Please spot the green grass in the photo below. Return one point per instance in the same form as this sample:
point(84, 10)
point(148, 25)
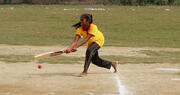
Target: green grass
point(154, 57)
point(51, 25)
point(62, 60)
point(15, 58)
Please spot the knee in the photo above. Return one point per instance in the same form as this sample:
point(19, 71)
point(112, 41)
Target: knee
point(89, 52)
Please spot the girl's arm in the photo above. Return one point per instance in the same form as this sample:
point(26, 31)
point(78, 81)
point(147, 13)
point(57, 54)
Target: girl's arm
point(82, 42)
point(73, 43)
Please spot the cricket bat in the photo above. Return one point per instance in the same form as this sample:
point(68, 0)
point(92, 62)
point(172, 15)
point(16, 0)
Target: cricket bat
point(48, 54)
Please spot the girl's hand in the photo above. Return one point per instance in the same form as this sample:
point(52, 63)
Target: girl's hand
point(68, 50)
point(74, 50)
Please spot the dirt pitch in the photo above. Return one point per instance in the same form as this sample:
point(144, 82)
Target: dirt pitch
point(61, 79)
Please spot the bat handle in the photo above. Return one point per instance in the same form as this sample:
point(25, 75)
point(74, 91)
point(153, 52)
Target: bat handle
point(65, 51)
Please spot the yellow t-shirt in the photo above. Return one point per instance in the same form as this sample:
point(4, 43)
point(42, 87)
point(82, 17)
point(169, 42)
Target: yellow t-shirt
point(97, 36)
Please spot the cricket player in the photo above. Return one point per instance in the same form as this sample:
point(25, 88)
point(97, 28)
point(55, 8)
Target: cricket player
point(94, 39)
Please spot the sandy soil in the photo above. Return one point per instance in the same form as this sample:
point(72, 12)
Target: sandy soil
point(59, 79)
point(123, 51)
point(149, 79)
point(62, 79)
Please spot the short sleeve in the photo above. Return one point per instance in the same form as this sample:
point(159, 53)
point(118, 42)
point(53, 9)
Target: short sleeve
point(92, 30)
point(78, 32)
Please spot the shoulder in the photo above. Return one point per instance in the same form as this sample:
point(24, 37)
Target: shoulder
point(93, 26)
point(79, 29)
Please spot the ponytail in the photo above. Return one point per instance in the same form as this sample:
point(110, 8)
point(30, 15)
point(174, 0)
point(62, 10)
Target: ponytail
point(77, 25)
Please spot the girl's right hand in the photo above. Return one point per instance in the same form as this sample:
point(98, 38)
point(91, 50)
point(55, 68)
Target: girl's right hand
point(68, 50)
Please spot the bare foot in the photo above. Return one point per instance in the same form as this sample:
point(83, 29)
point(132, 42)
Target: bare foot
point(83, 74)
point(114, 65)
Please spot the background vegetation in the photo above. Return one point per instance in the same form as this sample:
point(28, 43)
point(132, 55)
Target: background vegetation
point(104, 2)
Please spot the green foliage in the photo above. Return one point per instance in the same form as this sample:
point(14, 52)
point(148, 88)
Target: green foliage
point(99, 2)
point(176, 2)
point(128, 2)
point(144, 2)
point(161, 2)
point(7, 1)
point(28, 1)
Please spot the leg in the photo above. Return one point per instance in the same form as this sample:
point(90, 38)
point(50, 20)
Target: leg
point(103, 63)
point(90, 52)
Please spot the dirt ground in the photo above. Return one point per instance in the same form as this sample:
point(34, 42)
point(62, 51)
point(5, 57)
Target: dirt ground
point(62, 79)
point(108, 50)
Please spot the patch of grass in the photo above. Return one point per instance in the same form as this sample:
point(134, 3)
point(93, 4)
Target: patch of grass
point(15, 58)
point(51, 60)
point(51, 25)
point(154, 57)
point(62, 60)
point(163, 56)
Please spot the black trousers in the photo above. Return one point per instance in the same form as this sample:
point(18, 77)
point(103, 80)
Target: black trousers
point(92, 56)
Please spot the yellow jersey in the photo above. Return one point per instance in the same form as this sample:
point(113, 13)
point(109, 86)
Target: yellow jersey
point(97, 36)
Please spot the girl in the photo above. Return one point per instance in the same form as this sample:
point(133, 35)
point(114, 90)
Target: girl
point(94, 39)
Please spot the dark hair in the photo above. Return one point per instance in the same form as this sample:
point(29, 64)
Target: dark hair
point(88, 17)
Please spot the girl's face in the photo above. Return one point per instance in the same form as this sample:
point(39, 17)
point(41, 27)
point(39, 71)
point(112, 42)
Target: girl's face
point(84, 22)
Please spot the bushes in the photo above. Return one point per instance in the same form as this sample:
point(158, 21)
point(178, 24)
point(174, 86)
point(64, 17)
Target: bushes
point(176, 2)
point(7, 1)
point(104, 2)
point(161, 2)
point(150, 2)
point(140, 2)
point(28, 1)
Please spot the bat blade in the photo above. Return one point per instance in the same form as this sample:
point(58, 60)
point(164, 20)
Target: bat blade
point(47, 54)
point(43, 55)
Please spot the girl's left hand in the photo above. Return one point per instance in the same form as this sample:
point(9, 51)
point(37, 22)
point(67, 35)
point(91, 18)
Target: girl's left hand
point(74, 50)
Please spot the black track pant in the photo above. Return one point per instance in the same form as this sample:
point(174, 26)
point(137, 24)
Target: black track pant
point(92, 56)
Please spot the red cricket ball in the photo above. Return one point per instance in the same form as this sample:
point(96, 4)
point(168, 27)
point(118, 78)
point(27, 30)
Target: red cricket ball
point(39, 66)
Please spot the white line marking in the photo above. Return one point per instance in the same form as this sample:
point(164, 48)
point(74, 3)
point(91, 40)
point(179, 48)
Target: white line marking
point(121, 88)
point(111, 69)
point(168, 69)
point(175, 79)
